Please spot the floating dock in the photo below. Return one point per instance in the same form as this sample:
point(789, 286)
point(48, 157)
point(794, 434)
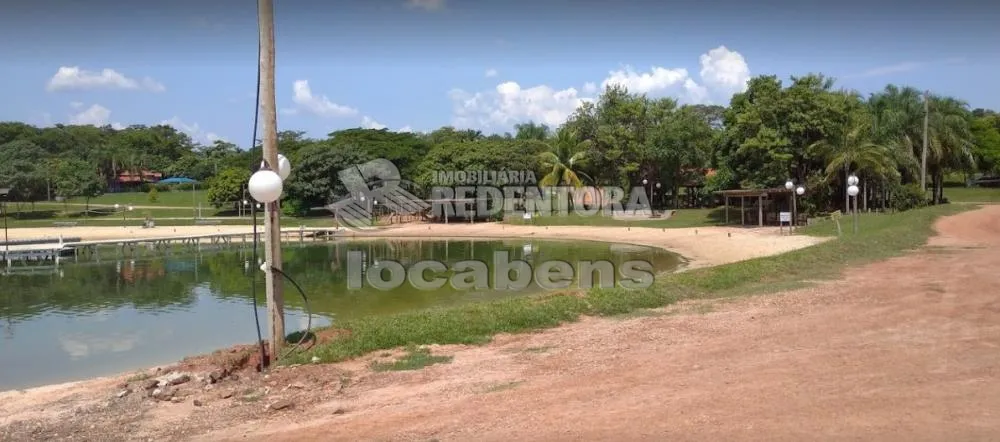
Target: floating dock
point(44, 250)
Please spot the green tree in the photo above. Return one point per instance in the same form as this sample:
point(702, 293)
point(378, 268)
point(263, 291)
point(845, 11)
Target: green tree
point(227, 187)
point(950, 141)
point(566, 157)
point(314, 183)
point(76, 177)
point(22, 170)
point(986, 133)
point(851, 148)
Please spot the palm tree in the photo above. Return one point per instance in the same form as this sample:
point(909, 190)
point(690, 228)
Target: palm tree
point(854, 147)
point(566, 157)
point(950, 141)
point(897, 123)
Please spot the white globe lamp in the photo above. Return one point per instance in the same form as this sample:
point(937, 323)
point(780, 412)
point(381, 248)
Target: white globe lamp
point(789, 184)
point(852, 190)
point(852, 180)
point(644, 182)
point(800, 191)
point(284, 167)
point(265, 186)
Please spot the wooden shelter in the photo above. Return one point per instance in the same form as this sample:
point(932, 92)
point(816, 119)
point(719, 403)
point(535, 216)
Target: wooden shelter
point(758, 197)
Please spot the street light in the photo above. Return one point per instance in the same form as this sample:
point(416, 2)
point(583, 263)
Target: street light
point(852, 191)
point(644, 183)
point(124, 209)
point(6, 240)
point(799, 191)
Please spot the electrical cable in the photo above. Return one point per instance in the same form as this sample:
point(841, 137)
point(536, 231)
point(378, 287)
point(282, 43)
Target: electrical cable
point(305, 301)
point(253, 214)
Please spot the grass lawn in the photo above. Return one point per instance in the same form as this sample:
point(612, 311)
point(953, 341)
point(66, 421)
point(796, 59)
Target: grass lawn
point(972, 194)
point(880, 237)
point(681, 218)
point(177, 198)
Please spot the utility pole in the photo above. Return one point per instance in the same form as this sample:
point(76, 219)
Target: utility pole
point(272, 228)
point(923, 153)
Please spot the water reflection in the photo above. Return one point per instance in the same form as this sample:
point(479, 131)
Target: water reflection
point(107, 315)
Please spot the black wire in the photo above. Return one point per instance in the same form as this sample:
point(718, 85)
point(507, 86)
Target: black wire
point(305, 301)
point(253, 214)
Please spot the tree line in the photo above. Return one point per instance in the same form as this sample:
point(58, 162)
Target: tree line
point(804, 129)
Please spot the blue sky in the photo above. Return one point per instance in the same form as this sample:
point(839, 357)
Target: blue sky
point(421, 64)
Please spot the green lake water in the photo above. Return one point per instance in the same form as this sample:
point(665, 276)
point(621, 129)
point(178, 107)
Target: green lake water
point(97, 317)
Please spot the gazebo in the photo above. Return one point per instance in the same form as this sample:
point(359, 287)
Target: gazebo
point(771, 196)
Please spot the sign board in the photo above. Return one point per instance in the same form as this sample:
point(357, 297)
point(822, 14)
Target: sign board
point(785, 217)
point(527, 215)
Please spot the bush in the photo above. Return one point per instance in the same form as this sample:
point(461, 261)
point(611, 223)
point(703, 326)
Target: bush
point(908, 197)
point(163, 187)
point(153, 194)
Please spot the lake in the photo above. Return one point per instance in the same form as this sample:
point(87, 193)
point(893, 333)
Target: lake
point(112, 314)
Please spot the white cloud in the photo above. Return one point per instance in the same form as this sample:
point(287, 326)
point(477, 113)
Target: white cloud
point(491, 73)
point(723, 72)
point(427, 5)
point(76, 105)
point(193, 130)
point(74, 78)
point(95, 115)
point(405, 129)
point(510, 104)
point(316, 104)
point(369, 123)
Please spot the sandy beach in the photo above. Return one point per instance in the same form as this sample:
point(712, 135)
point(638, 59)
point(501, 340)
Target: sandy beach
point(702, 246)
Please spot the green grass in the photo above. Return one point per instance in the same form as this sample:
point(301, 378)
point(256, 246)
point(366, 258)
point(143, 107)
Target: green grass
point(879, 237)
point(415, 359)
point(681, 218)
point(972, 194)
point(179, 198)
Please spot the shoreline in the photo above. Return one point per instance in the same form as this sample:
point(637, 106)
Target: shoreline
point(700, 246)
point(697, 247)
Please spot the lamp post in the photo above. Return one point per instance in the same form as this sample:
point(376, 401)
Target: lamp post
point(644, 183)
point(266, 186)
point(852, 191)
point(124, 209)
point(799, 191)
point(6, 239)
point(660, 193)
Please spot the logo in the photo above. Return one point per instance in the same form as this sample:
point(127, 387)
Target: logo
point(468, 194)
point(374, 183)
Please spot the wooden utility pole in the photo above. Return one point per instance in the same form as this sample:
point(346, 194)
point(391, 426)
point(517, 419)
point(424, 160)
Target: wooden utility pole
point(272, 227)
point(923, 153)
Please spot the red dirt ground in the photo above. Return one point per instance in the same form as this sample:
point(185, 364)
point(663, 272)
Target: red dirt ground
point(906, 349)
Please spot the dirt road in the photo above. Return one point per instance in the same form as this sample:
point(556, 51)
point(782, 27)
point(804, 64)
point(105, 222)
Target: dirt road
point(906, 349)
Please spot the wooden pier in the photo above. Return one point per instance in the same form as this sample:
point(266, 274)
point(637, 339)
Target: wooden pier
point(35, 251)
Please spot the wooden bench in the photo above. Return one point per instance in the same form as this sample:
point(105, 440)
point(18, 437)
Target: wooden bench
point(65, 223)
point(207, 221)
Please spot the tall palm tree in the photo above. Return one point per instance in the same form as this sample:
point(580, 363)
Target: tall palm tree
point(950, 141)
point(897, 123)
point(854, 148)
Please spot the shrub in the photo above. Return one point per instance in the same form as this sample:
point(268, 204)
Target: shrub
point(153, 194)
point(907, 197)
